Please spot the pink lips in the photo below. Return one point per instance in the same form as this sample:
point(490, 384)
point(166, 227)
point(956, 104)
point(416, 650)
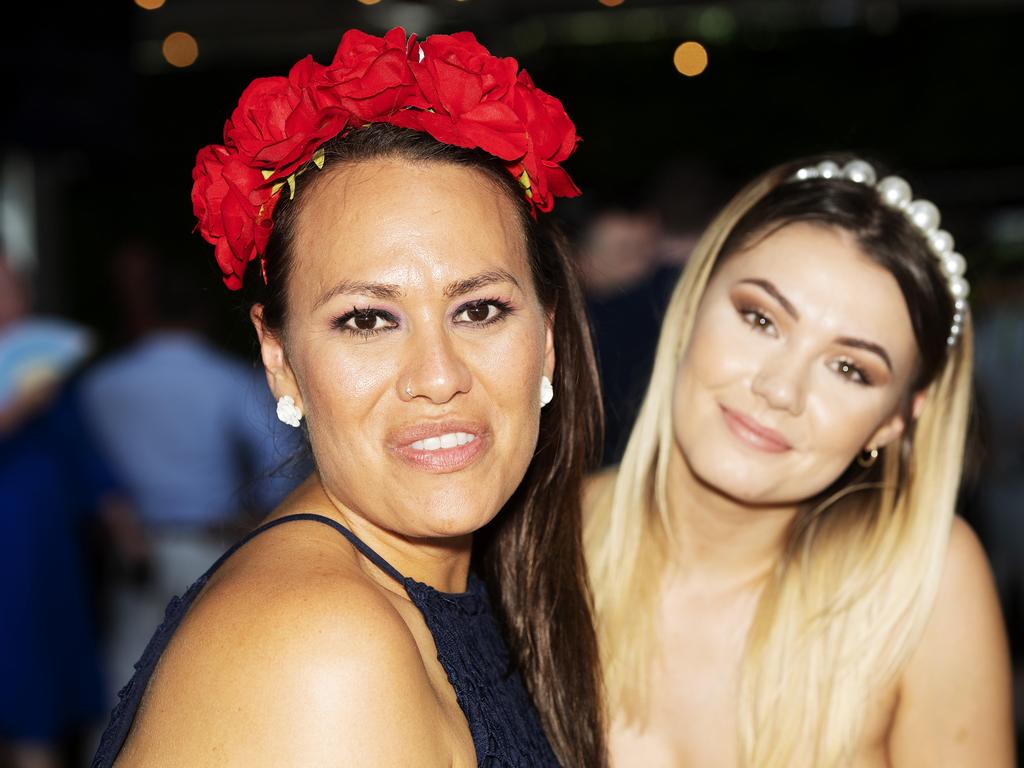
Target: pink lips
point(427, 456)
point(753, 433)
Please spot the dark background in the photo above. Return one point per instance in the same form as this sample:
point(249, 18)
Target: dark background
point(930, 87)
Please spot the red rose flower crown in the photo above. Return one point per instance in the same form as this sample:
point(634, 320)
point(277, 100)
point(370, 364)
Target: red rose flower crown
point(448, 86)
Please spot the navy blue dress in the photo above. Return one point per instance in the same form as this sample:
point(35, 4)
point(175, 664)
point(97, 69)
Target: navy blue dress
point(505, 726)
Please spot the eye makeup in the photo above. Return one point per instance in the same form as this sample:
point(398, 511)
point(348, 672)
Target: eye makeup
point(494, 310)
point(366, 322)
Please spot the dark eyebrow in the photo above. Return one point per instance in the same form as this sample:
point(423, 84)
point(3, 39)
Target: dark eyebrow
point(377, 290)
point(775, 293)
point(866, 345)
point(491, 276)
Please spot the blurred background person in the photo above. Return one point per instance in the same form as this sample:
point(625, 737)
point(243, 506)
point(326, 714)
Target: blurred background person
point(189, 428)
point(630, 254)
point(54, 487)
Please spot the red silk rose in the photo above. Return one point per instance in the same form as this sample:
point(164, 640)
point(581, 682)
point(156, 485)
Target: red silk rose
point(277, 125)
point(552, 138)
point(234, 209)
point(448, 86)
point(369, 76)
point(470, 93)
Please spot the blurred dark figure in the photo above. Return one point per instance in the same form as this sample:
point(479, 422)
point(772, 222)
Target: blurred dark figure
point(191, 430)
point(53, 486)
point(630, 254)
point(999, 360)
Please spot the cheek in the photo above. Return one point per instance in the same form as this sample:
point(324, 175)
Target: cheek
point(722, 349)
point(843, 421)
point(340, 385)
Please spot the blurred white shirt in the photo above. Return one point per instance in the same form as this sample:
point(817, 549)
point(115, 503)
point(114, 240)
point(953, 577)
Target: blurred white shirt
point(191, 432)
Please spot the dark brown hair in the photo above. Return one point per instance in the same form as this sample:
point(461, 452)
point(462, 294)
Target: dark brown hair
point(531, 554)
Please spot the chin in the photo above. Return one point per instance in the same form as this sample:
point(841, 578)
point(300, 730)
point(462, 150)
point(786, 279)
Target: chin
point(451, 515)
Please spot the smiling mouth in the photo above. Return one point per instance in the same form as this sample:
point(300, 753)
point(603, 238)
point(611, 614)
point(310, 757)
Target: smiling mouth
point(447, 440)
point(440, 448)
point(754, 434)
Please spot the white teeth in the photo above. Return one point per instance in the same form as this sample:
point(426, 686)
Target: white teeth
point(448, 440)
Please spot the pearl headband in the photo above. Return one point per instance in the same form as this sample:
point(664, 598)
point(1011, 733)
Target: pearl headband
point(895, 192)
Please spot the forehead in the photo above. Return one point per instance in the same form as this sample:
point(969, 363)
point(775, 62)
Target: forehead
point(831, 282)
point(404, 222)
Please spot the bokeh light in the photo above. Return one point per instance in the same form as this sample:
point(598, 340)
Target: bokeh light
point(611, 3)
point(690, 59)
point(150, 5)
point(369, 2)
point(180, 49)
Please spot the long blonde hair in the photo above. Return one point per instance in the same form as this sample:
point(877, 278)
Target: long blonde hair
point(857, 576)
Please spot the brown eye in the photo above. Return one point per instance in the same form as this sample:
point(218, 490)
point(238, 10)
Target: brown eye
point(478, 312)
point(482, 312)
point(365, 322)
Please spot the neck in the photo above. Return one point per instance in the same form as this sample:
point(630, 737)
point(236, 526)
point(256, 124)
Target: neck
point(719, 537)
point(442, 563)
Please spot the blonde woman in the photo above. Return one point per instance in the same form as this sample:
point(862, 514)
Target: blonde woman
point(779, 577)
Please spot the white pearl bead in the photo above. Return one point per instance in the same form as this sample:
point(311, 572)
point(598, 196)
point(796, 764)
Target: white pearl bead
point(950, 341)
point(959, 287)
point(828, 169)
point(807, 173)
point(894, 191)
point(960, 305)
point(924, 214)
point(941, 241)
point(953, 264)
point(958, 318)
point(859, 171)
point(955, 330)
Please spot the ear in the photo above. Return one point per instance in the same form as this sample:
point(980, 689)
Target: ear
point(917, 404)
point(280, 377)
point(890, 430)
point(549, 345)
point(895, 425)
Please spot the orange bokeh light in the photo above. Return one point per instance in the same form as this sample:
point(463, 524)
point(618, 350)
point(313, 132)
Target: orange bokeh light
point(690, 59)
point(180, 49)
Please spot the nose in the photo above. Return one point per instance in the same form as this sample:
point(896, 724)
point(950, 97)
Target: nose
point(781, 381)
point(434, 368)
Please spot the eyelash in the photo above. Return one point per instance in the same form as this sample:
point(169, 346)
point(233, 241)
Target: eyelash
point(753, 317)
point(341, 323)
point(854, 374)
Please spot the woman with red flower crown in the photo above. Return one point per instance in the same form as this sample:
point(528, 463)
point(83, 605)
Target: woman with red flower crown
point(419, 319)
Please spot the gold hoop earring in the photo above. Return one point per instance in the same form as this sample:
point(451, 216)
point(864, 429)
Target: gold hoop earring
point(868, 458)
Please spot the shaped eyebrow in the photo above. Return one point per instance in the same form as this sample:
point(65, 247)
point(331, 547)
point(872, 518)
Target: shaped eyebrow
point(376, 290)
point(869, 346)
point(848, 341)
point(768, 287)
point(489, 277)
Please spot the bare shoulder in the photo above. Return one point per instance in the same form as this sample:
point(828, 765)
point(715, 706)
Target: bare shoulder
point(955, 694)
point(292, 657)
